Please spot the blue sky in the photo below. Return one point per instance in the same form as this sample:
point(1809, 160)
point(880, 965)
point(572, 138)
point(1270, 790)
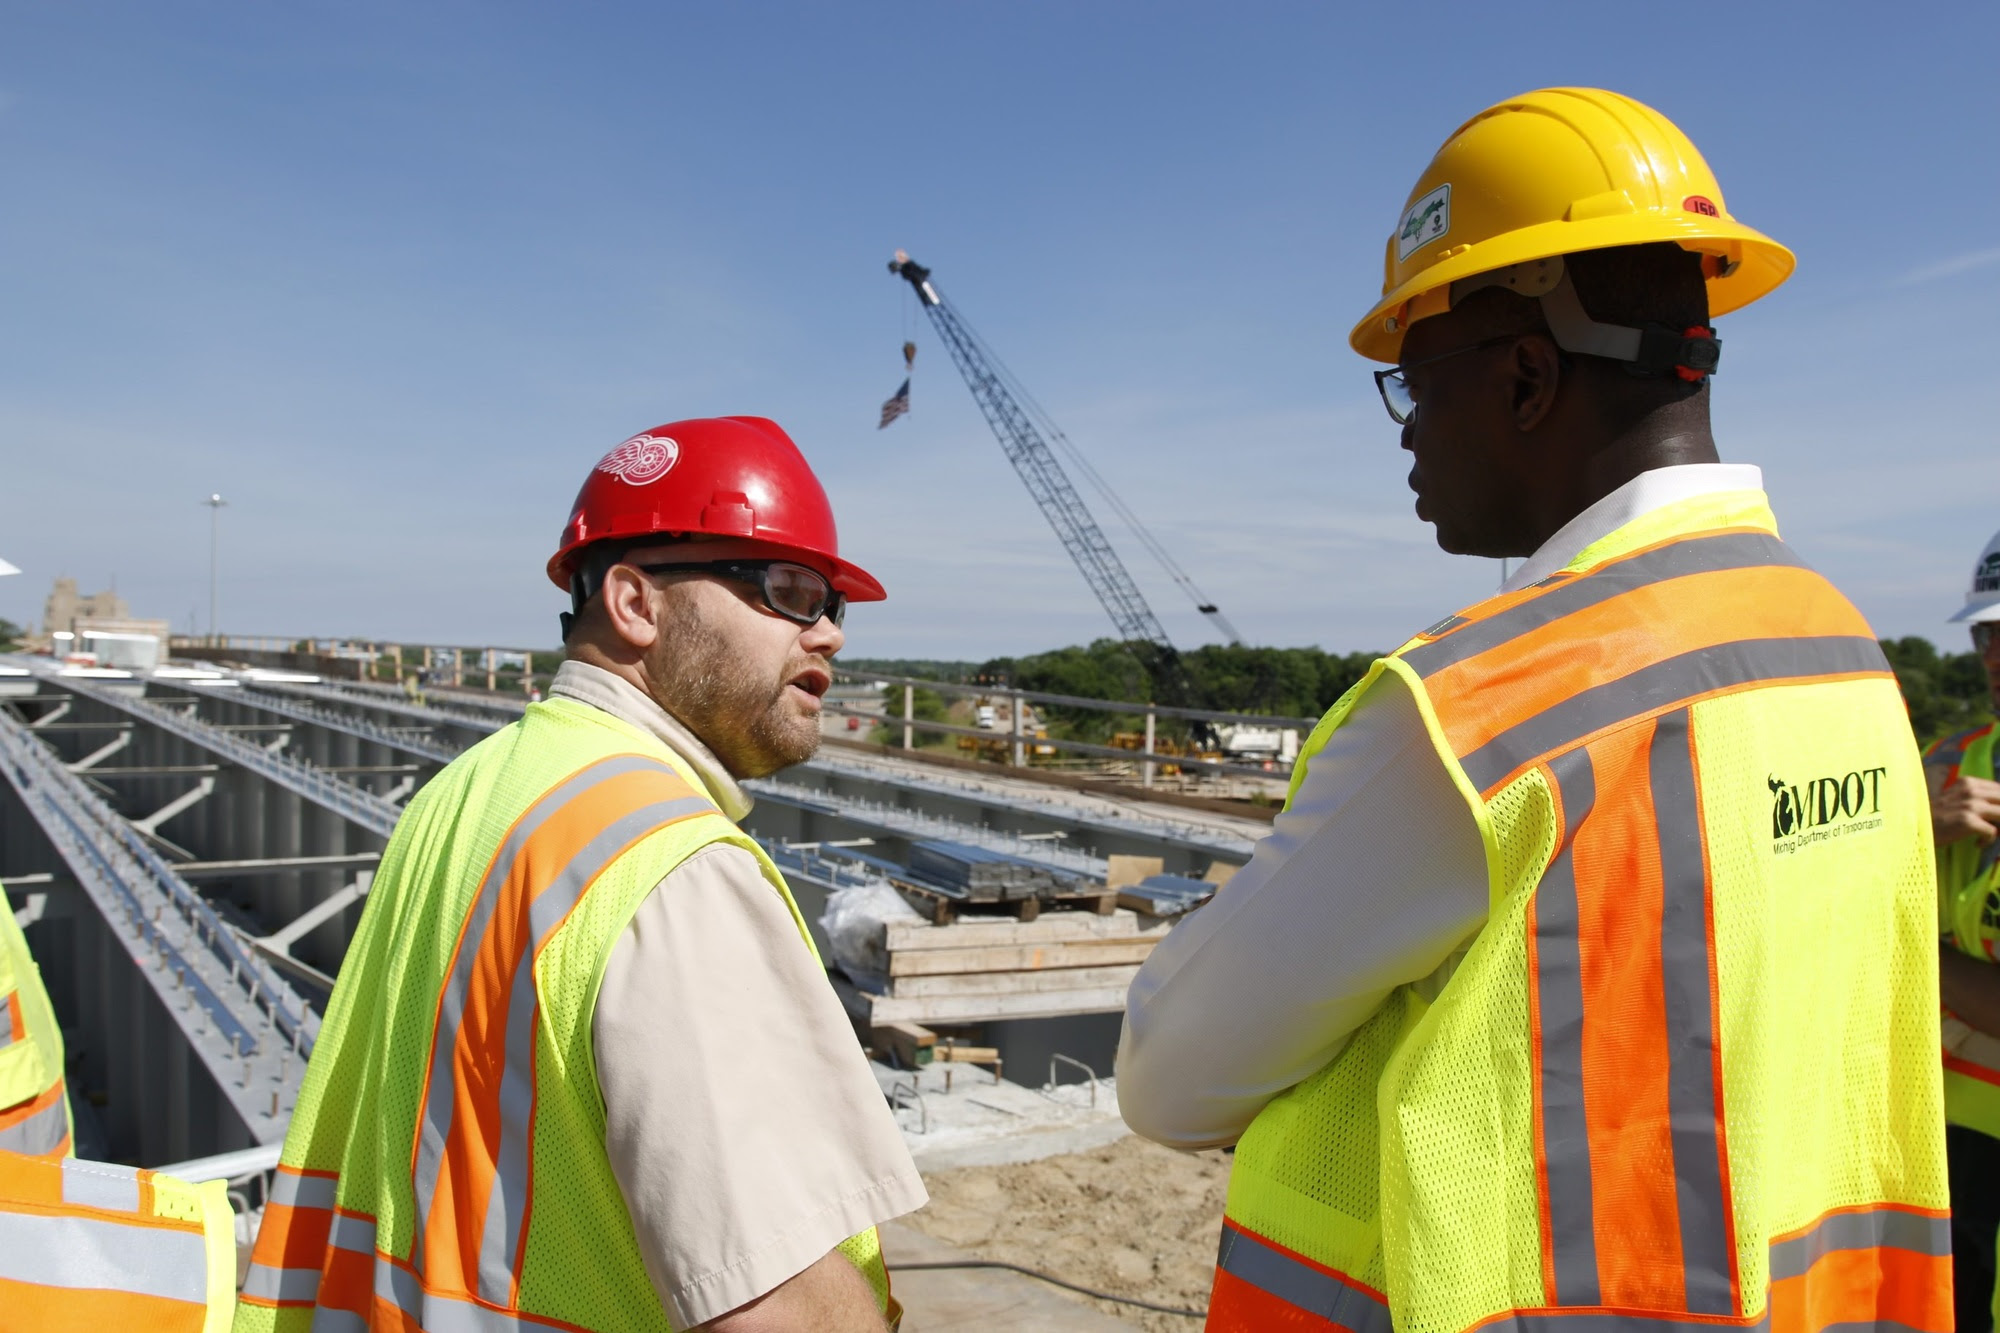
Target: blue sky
point(392, 276)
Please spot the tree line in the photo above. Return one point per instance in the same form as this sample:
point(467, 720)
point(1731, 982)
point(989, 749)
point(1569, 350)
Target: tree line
point(1946, 692)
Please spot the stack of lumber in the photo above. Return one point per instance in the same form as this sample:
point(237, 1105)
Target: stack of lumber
point(981, 969)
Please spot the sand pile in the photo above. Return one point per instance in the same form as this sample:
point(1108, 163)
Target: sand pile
point(1132, 1218)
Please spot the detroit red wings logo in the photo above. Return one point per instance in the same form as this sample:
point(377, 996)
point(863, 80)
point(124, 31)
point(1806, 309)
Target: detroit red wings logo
point(641, 459)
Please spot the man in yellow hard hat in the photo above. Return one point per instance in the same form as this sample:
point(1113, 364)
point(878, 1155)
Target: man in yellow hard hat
point(1965, 820)
point(1588, 980)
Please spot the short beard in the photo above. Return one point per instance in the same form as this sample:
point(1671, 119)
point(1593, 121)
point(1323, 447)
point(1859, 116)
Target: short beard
point(747, 723)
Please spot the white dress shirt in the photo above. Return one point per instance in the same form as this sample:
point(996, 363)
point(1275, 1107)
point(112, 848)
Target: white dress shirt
point(1374, 878)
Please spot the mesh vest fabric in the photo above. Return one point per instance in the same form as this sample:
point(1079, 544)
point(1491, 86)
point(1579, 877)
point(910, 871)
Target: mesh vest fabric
point(34, 1107)
point(1969, 920)
point(1683, 1073)
point(96, 1245)
point(446, 1163)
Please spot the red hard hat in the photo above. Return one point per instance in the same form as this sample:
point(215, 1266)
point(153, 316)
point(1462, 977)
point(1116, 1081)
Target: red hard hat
point(723, 476)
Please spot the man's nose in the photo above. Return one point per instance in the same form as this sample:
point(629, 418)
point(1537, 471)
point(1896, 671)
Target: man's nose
point(822, 638)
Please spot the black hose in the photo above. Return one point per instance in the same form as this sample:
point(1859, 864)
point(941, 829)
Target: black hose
point(1053, 1281)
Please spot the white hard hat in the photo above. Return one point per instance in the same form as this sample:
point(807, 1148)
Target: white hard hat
point(1982, 601)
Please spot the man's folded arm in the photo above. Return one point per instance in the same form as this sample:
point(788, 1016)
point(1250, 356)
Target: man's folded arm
point(1373, 878)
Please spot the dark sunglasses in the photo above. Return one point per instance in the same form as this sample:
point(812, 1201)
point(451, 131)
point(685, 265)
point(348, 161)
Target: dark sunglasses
point(1395, 389)
point(796, 592)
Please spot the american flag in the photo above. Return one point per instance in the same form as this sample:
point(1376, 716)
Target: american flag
point(896, 405)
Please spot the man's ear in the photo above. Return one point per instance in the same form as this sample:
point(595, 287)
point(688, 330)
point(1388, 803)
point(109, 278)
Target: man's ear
point(1537, 371)
point(629, 607)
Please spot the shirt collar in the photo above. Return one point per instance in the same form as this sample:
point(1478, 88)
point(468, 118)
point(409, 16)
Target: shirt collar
point(613, 694)
point(1638, 497)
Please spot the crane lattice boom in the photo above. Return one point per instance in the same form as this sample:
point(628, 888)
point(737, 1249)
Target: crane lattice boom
point(1029, 452)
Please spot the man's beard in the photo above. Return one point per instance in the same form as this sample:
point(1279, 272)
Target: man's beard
point(748, 723)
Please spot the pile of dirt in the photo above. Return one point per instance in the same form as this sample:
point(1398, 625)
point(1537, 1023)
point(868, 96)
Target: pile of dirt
point(1132, 1218)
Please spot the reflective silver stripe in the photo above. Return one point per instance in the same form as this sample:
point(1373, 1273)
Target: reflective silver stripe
point(1583, 1321)
point(100, 1185)
point(448, 1314)
point(434, 1119)
point(293, 1190)
point(351, 1233)
point(1887, 1228)
point(1952, 748)
point(1559, 993)
point(1696, 555)
point(1677, 680)
point(10, 1008)
point(1708, 1241)
point(80, 1253)
point(41, 1133)
point(506, 1206)
point(291, 1286)
point(338, 1321)
point(1272, 1271)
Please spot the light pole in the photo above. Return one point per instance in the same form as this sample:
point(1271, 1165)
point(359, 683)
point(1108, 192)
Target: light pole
point(214, 503)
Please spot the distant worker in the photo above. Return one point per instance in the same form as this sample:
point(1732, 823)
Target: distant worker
point(1591, 967)
point(1965, 818)
point(583, 1068)
point(97, 1246)
point(34, 1105)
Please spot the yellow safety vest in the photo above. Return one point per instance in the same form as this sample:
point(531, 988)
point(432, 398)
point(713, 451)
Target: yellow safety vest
point(34, 1110)
point(1684, 1074)
point(446, 1163)
point(91, 1245)
point(1969, 920)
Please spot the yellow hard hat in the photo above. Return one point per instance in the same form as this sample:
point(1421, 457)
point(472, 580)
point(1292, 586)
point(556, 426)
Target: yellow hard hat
point(1550, 173)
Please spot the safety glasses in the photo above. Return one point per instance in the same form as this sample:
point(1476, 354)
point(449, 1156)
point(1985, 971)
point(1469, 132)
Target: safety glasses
point(796, 592)
point(1395, 388)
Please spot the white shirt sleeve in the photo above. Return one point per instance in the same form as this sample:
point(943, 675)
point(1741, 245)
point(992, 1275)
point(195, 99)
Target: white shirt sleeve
point(744, 1128)
point(1372, 879)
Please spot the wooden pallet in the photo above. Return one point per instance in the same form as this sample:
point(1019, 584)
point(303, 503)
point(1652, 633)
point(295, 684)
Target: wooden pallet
point(941, 908)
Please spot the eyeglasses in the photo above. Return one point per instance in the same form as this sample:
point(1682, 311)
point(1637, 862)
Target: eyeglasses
point(796, 592)
point(1395, 389)
point(1983, 634)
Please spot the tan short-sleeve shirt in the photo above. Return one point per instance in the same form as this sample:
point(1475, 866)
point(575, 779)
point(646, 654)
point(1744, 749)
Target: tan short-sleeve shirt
point(743, 1125)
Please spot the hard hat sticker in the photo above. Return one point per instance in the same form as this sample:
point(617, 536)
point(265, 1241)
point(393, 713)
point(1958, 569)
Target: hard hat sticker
point(641, 459)
point(1987, 577)
point(1428, 219)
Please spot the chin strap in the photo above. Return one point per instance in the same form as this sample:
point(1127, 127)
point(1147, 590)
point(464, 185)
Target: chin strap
point(1652, 351)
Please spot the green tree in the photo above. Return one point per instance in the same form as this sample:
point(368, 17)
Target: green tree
point(10, 635)
point(1946, 692)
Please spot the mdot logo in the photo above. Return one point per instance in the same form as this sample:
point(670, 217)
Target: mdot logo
point(1426, 220)
point(1825, 808)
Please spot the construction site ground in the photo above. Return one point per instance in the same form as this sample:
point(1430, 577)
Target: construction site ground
point(1129, 1217)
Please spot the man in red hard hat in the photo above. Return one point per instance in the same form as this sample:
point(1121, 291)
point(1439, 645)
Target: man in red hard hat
point(583, 1069)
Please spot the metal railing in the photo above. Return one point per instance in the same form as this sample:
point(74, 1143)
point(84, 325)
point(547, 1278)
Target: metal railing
point(389, 699)
point(171, 933)
point(304, 711)
point(364, 809)
point(1078, 701)
point(1148, 756)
